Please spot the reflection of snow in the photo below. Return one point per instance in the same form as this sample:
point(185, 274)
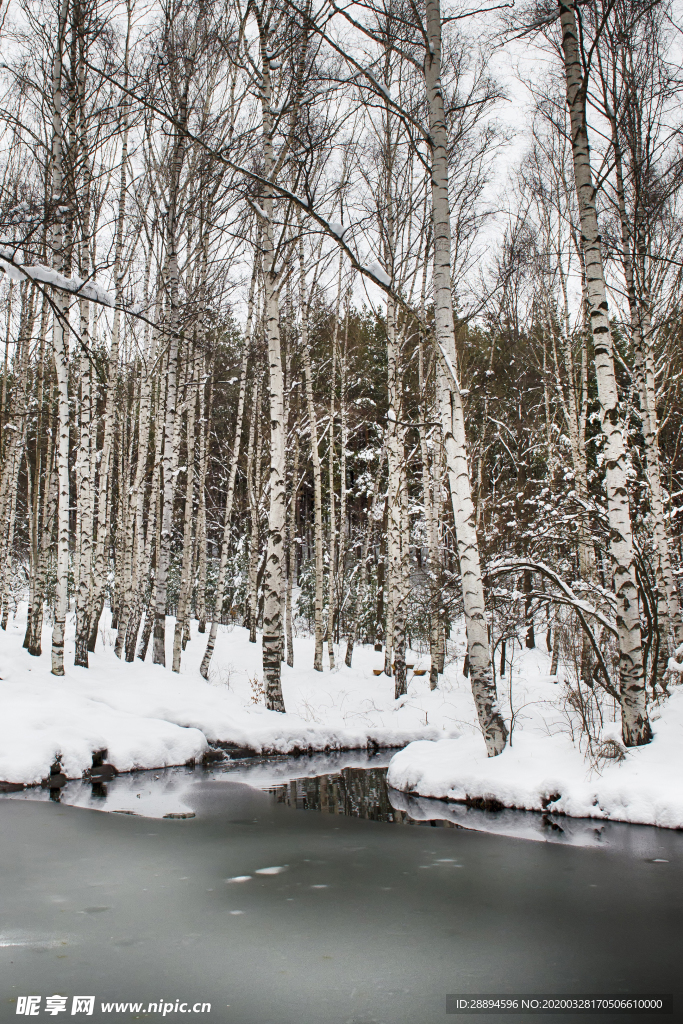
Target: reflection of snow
point(642, 842)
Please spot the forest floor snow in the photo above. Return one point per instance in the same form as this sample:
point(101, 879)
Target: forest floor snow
point(547, 766)
point(146, 716)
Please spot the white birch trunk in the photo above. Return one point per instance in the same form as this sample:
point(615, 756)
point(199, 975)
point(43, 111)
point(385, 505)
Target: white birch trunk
point(315, 459)
point(272, 584)
point(170, 426)
point(452, 415)
point(635, 725)
point(188, 544)
point(360, 594)
point(641, 334)
point(254, 455)
point(60, 357)
point(333, 522)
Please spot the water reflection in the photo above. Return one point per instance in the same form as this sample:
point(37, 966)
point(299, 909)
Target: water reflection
point(363, 793)
point(349, 783)
point(358, 792)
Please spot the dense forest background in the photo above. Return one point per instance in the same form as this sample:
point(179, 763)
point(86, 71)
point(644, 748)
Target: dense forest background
point(288, 338)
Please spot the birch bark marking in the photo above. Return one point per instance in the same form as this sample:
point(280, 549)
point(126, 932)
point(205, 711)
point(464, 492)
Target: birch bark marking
point(186, 570)
point(272, 584)
point(344, 440)
point(291, 539)
point(133, 607)
point(85, 443)
point(254, 451)
point(394, 655)
point(635, 724)
point(205, 413)
point(452, 415)
point(41, 471)
point(168, 485)
point(331, 579)
point(432, 546)
point(103, 504)
point(60, 356)
point(641, 330)
point(362, 584)
point(315, 457)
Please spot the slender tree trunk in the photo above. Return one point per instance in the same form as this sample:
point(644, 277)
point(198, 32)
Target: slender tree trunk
point(291, 541)
point(101, 546)
point(171, 426)
point(315, 459)
point(641, 332)
point(205, 410)
point(188, 546)
point(254, 487)
point(381, 581)
point(272, 608)
point(400, 673)
point(60, 356)
point(360, 594)
point(272, 603)
point(333, 521)
point(430, 526)
point(452, 414)
point(635, 725)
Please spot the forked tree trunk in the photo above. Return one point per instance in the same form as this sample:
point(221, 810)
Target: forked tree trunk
point(130, 622)
point(632, 691)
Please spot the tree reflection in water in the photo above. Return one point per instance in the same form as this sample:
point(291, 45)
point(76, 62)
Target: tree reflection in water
point(358, 792)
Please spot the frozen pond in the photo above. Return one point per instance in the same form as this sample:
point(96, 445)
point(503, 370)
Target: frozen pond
point(358, 920)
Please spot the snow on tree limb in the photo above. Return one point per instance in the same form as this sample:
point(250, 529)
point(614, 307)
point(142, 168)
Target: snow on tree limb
point(45, 275)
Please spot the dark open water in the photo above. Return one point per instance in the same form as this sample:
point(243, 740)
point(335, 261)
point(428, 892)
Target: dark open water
point(365, 922)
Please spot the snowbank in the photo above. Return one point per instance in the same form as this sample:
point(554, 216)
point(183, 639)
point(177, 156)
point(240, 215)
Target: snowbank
point(148, 717)
point(547, 772)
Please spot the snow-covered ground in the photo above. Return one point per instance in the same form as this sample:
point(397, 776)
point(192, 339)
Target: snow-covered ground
point(546, 768)
point(148, 717)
